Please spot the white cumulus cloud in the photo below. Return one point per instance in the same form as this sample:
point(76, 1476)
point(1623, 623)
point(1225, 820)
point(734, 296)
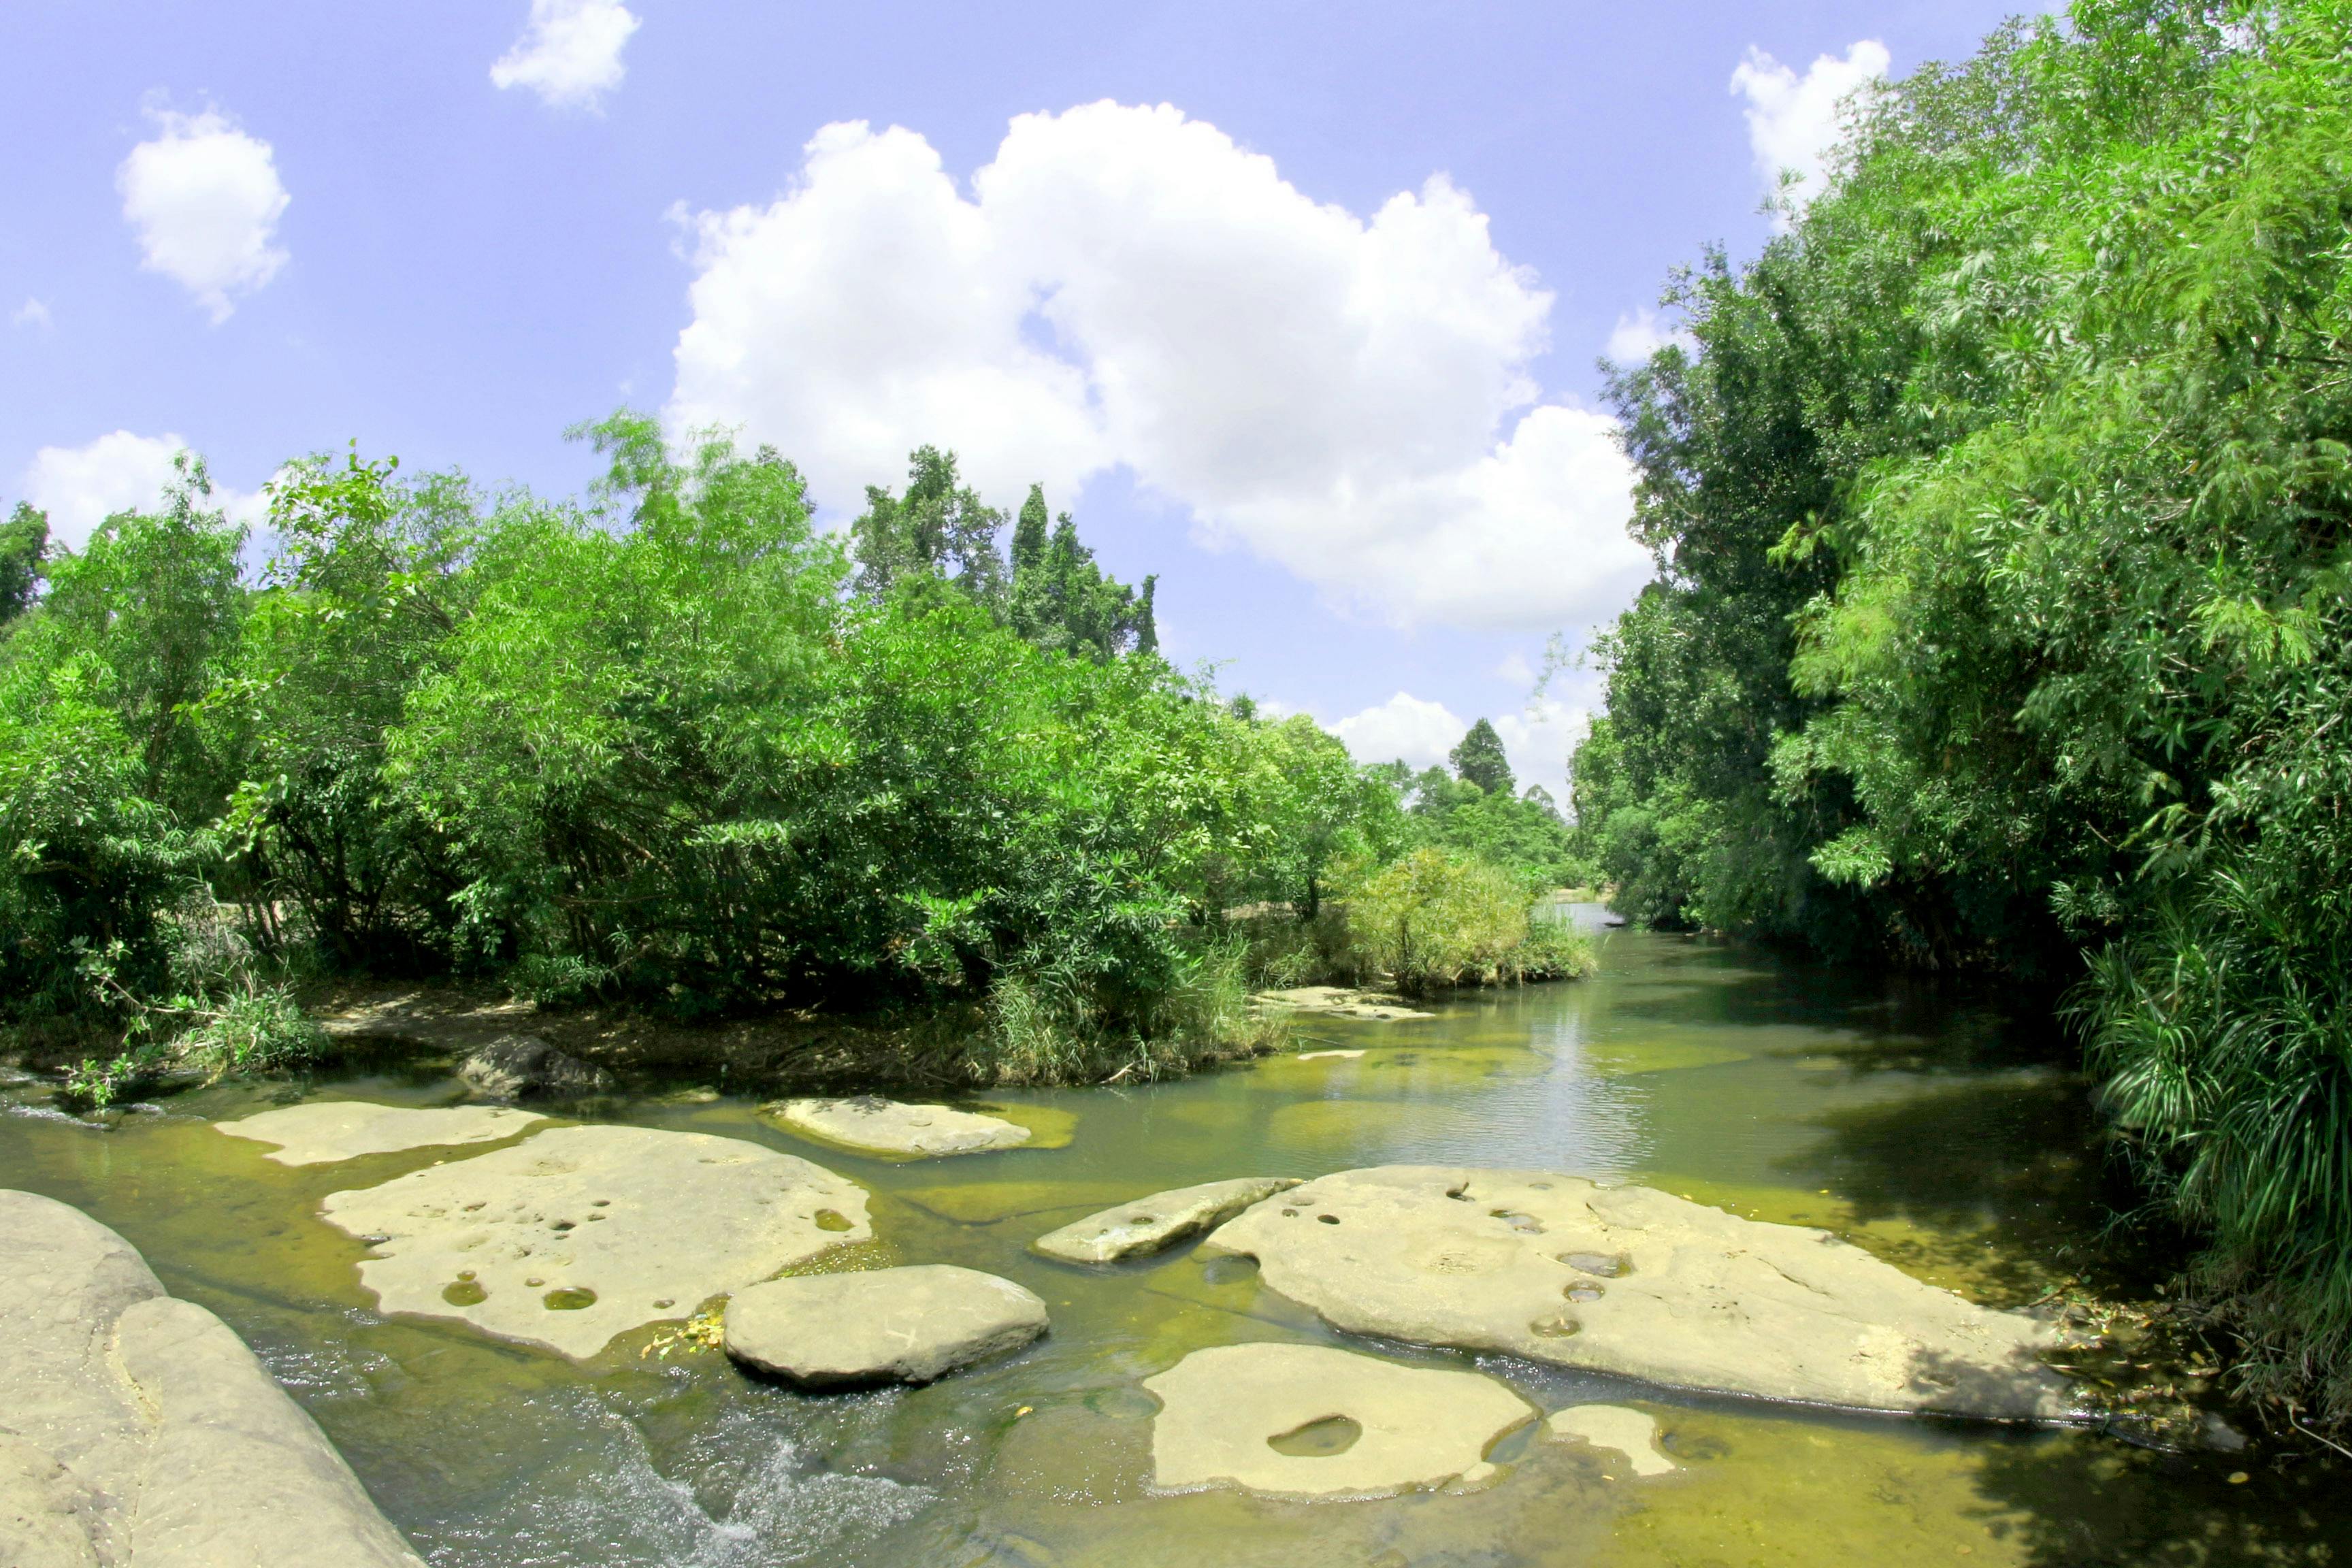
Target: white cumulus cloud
point(570, 54)
point(81, 486)
point(1347, 397)
point(205, 199)
point(1641, 333)
point(31, 313)
point(1794, 120)
point(1407, 728)
point(1421, 733)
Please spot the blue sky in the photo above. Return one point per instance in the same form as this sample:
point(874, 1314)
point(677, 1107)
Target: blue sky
point(1297, 305)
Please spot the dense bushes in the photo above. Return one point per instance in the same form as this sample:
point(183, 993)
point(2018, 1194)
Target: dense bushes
point(671, 748)
point(2002, 614)
point(1434, 918)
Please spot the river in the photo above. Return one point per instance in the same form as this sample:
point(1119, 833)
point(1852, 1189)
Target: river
point(1920, 1123)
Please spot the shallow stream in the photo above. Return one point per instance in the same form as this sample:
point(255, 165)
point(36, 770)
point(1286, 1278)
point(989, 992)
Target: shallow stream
point(1920, 1124)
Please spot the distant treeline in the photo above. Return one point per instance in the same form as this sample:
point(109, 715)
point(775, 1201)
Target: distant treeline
point(2004, 610)
point(671, 747)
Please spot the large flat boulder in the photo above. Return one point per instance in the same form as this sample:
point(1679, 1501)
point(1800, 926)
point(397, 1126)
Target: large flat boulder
point(137, 1431)
point(872, 1125)
point(582, 1233)
point(1156, 1223)
point(326, 1131)
point(1629, 1280)
point(1311, 1421)
point(887, 1325)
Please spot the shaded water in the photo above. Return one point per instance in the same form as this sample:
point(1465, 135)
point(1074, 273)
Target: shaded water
point(1923, 1127)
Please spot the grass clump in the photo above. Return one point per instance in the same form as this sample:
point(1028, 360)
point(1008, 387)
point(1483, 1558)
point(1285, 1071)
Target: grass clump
point(1435, 918)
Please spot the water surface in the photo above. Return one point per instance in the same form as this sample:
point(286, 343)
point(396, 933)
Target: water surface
point(1919, 1123)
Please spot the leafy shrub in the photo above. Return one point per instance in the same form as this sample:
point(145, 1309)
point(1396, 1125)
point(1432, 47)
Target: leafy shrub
point(1435, 918)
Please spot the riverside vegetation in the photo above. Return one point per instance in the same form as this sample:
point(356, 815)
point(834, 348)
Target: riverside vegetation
point(673, 749)
point(2004, 610)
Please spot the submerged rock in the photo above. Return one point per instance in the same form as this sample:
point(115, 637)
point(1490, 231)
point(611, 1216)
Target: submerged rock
point(1339, 1002)
point(904, 1325)
point(1153, 1224)
point(1642, 1284)
point(1616, 1428)
point(138, 1429)
point(873, 1125)
point(582, 1233)
point(330, 1130)
point(1311, 1421)
point(513, 1067)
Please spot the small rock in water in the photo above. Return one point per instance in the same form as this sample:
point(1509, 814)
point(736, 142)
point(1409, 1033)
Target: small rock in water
point(515, 1066)
point(1156, 1223)
point(902, 1325)
point(1617, 1428)
point(1311, 1421)
point(1339, 1002)
point(326, 1131)
point(873, 1125)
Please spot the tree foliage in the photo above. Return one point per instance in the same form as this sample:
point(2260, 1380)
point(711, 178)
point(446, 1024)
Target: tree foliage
point(669, 746)
point(2002, 615)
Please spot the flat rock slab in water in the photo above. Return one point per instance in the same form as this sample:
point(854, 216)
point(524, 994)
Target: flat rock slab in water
point(1616, 1428)
point(583, 1232)
point(1311, 1421)
point(1339, 1002)
point(1642, 1284)
point(138, 1429)
point(874, 1126)
point(903, 1325)
point(1156, 1223)
point(330, 1130)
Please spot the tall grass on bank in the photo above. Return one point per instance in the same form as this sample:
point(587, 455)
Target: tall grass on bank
point(2225, 1037)
point(230, 1010)
point(1042, 1030)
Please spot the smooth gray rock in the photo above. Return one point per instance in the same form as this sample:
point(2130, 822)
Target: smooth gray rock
point(327, 1131)
point(1641, 1284)
point(137, 1431)
point(1222, 1411)
point(1156, 1223)
point(872, 1125)
point(903, 1325)
point(514, 1066)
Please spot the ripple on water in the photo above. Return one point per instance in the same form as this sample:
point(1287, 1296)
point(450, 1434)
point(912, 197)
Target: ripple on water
point(746, 1495)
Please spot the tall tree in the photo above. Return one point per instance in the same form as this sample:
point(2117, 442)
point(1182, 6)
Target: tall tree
point(1479, 760)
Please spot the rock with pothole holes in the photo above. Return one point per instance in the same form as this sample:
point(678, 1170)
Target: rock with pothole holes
point(872, 1125)
point(582, 1233)
point(1311, 1421)
point(886, 1325)
point(326, 1131)
point(1638, 1282)
point(1157, 1223)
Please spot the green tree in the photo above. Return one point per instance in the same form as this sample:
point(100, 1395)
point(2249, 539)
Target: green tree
point(24, 545)
point(1478, 759)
